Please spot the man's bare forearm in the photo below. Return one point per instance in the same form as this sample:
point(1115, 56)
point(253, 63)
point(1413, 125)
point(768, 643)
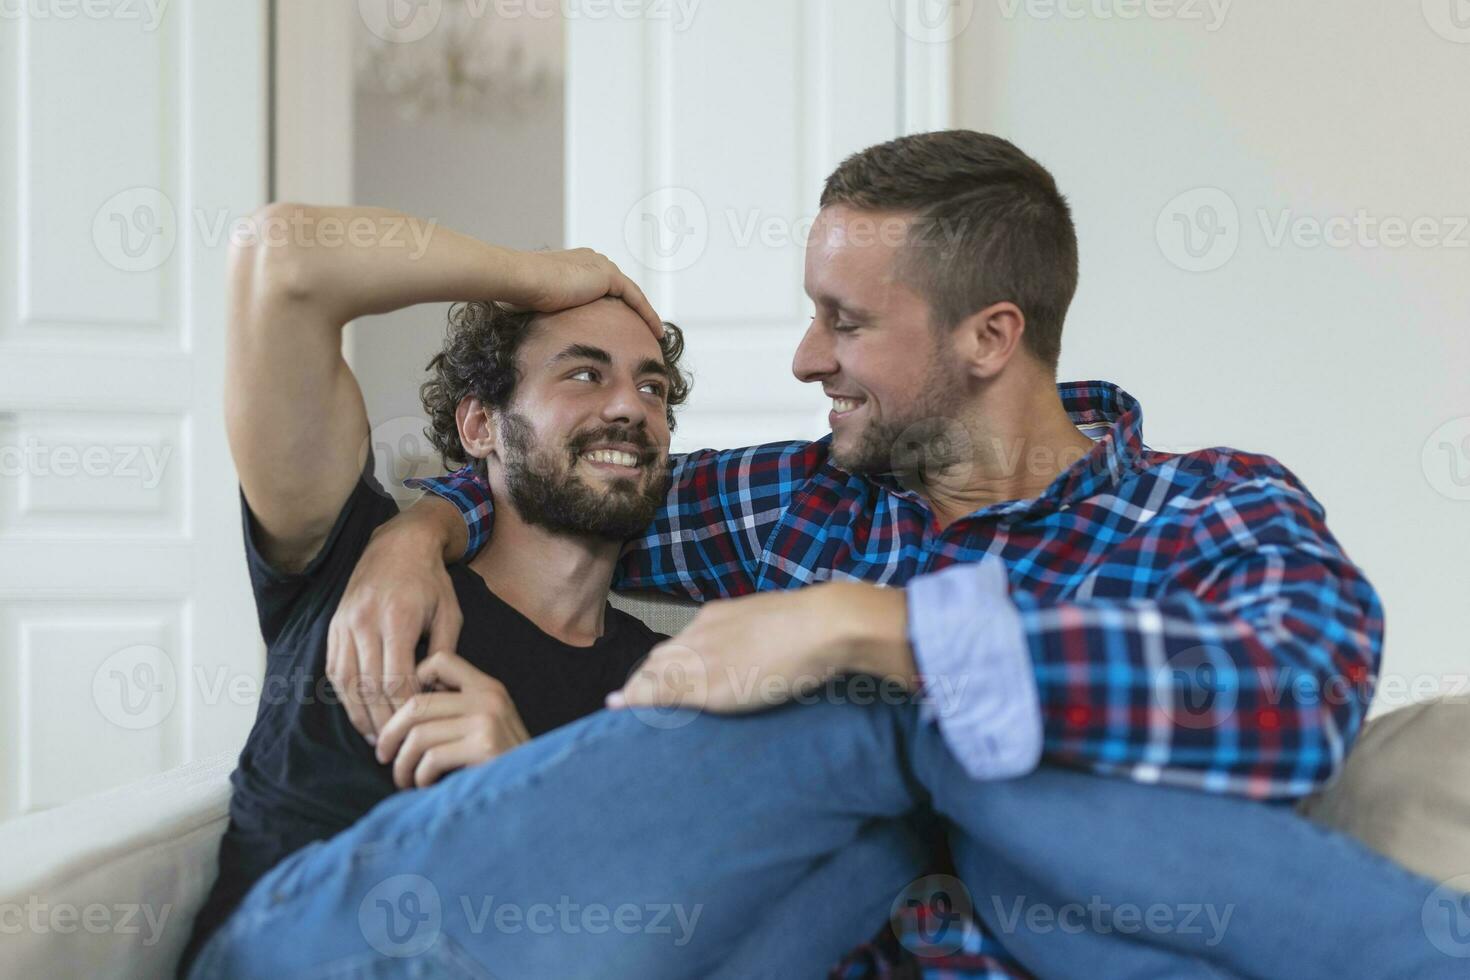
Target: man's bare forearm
point(431, 526)
point(360, 261)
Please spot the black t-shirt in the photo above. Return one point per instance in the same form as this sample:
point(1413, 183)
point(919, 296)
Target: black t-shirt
point(305, 773)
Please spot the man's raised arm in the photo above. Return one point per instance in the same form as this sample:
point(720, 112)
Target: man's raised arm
point(295, 416)
point(294, 413)
point(298, 274)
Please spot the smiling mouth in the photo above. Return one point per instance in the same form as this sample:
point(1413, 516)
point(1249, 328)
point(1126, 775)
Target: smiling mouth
point(845, 406)
point(612, 457)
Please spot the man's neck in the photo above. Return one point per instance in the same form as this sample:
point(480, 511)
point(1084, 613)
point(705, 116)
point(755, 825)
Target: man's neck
point(556, 581)
point(1020, 445)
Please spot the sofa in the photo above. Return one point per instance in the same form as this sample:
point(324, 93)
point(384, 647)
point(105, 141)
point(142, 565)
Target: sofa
point(108, 886)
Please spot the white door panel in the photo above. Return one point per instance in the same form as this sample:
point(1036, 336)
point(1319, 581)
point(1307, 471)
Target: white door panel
point(125, 613)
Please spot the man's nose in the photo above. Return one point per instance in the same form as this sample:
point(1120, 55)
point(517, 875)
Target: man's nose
point(814, 359)
point(624, 404)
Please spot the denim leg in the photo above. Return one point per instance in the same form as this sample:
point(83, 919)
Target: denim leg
point(1050, 934)
point(1266, 892)
point(845, 901)
point(607, 848)
point(616, 848)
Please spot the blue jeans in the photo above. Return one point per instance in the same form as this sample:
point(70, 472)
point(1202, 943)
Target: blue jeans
point(616, 848)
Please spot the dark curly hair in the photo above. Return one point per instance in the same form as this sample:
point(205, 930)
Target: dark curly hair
point(479, 359)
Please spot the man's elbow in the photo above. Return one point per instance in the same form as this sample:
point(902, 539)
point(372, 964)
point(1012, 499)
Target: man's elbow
point(1329, 727)
point(267, 265)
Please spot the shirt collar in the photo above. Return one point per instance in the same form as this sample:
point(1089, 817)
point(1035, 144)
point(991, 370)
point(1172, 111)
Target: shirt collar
point(1114, 456)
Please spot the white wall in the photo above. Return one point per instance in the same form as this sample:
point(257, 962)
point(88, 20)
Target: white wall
point(313, 116)
point(1341, 362)
point(498, 179)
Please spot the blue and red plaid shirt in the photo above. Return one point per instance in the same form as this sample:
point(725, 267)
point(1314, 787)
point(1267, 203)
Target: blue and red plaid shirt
point(1190, 619)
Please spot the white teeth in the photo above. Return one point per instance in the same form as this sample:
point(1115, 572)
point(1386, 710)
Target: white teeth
point(841, 405)
point(611, 456)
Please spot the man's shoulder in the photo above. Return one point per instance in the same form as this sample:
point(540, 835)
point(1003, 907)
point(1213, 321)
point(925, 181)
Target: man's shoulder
point(773, 467)
point(281, 594)
point(1202, 477)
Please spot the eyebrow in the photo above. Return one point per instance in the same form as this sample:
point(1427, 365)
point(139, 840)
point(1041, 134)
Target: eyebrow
point(586, 352)
point(582, 352)
point(650, 366)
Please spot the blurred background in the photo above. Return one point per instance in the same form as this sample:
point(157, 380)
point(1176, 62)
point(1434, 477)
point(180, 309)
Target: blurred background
point(1272, 201)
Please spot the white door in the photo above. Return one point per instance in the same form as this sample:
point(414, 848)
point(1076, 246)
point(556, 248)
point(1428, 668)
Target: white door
point(131, 134)
point(698, 138)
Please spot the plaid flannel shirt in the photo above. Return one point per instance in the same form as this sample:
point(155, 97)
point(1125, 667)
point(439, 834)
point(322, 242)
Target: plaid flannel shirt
point(1190, 619)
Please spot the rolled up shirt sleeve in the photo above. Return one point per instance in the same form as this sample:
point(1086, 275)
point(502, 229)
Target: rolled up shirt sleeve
point(978, 681)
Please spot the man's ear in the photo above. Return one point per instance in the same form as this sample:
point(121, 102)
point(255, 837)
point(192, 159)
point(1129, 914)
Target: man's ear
point(986, 340)
point(476, 425)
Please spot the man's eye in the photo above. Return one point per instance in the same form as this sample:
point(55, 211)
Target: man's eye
point(844, 327)
point(658, 389)
point(581, 371)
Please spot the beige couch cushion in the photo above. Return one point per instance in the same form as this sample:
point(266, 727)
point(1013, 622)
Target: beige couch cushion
point(662, 613)
point(108, 886)
point(1405, 791)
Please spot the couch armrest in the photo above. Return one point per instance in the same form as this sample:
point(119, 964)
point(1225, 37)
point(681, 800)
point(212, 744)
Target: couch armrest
point(108, 886)
point(1405, 790)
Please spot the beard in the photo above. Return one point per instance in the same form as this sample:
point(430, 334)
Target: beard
point(547, 491)
point(921, 444)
